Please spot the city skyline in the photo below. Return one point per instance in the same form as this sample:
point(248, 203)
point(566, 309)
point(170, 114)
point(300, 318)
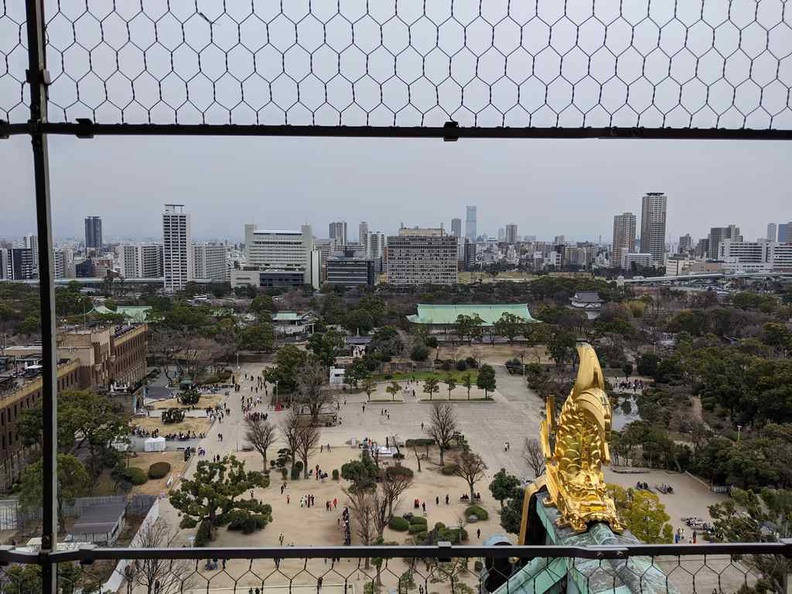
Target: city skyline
point(405, 177)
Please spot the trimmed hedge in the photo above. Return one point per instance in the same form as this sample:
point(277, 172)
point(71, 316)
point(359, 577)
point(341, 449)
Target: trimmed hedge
point(476, 510)
point(159, 470)
point(419, 520)
point(399, 524)
point(336, 476)
point(246, 522)
point(131, 475)
point(416, 528)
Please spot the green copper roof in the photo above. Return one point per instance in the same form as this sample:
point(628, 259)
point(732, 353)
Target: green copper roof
point(447, 314)
point(134, 313)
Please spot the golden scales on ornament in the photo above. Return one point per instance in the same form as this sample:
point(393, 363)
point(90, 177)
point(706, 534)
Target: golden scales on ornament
point(575, 446)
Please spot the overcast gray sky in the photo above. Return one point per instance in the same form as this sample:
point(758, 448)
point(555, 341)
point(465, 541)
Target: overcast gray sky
point(640, 63)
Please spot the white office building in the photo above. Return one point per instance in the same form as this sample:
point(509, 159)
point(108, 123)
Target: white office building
point(283, 250)
point(177, 253)
point(422, 256)
point(210, 262)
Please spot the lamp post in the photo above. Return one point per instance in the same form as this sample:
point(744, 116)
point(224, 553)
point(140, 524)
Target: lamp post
point(739, 428)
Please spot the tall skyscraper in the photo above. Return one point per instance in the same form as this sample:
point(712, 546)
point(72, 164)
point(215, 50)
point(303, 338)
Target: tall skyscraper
point(363, 235)
point(338, 232)
point(511, 233)
point(772, 232)
point(653, 225)
point(623, 233)
point(685, 244)
point(456, 227)
point(93, 233)
point(30, 242)
point(717, 235)
point(470, 223)
point(177, 253)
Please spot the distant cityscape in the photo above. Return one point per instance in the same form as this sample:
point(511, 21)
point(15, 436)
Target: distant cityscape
point(288, 258)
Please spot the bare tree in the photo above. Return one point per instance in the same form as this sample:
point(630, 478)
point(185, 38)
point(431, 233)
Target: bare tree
point(396, 481)
point(534, 455)
point(364, 514)
point(307, 437)
point(289, 428)
point(157, 575)
point(470, 467)
point(442, 426)
point(311, 388)
point(260, 433)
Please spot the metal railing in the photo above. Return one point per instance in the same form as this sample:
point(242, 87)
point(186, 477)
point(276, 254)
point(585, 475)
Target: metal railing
point(703, 568)
point(448, 69)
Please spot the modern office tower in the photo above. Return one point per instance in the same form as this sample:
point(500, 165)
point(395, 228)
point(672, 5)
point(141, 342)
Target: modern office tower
point(376, 245)
point(22, 265)
point(422, 256)
point(350, 272)
point(470, 223)
point(363, 233)
point(456, 227)
point(559, 240)
point(772, 232)
point(30, 242)
point(717, 235)
point(338, 232)
point(511, 233)
point(653, 225)
point(785, 232)
point(624, 232)
point(210, 262)
point(93, 233)
point(501, 233)
point(177, 253)
point(685, 244)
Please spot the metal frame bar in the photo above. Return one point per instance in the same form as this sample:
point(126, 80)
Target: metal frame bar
point(38, 78)
point(451, 131)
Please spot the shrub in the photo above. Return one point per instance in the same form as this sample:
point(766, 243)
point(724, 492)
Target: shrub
point(447, 365)
point(335, 474)
point(399, 524)
point(131, 475)
point(461, 365)
point(295, 473)
point(204, 534)
point(476, 510)
point(398, 456)
point(159, 470)
point(449, 469)
point(471, 362)
point(172, 415)
point(419, 353)
point(246, 522)
point(420, 537)
point(188, 522)
point(299, 465)
point(416, 528)
point(431, 342)
point(419, 520)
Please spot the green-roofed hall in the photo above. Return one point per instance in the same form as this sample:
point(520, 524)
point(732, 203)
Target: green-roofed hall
point(446, 315)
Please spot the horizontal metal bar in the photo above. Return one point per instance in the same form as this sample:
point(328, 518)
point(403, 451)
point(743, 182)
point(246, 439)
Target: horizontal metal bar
point(93, 129)
point(361, 552)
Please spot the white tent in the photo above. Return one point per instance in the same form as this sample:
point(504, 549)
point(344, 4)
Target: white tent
point(154, 444)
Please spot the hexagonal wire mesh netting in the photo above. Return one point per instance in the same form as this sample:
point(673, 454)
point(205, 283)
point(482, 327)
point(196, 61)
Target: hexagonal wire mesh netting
point(308, 575)
point(544, 63)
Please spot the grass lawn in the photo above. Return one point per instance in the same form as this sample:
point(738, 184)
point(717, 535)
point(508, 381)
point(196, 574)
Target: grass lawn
point(422, 376)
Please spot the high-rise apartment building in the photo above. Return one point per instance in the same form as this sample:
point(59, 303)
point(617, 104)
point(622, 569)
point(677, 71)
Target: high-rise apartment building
point(363, 233)
point(338, 232)
point(59, 264)
point(5, 264)
point(653, 225)
point(22, 265)
point(210, 262)
point(456, 227)
point(140, 260)
point(470, 223)
point(422, 256)
point(376, 244)
point(623, 233)
point(93, 233)
point(717, 235)
point(30, 242)
point(772, 232)
point(177, 253)
point(511, 233)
